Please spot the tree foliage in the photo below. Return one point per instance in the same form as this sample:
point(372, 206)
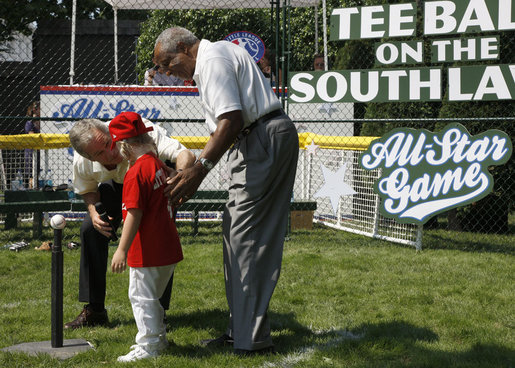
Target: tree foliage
point(213, 24)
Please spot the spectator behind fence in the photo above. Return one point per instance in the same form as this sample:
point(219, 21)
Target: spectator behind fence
point(98, 173)
point(245, 118)
point(31, 127)
point(318, 62)
point(149, 244)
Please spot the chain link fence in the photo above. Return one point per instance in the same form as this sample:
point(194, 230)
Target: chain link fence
point(47, 85)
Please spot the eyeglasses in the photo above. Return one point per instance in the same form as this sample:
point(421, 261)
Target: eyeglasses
point(320, 64)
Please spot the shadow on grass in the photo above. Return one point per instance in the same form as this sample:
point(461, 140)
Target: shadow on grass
point(396, 330)
point(403, 342)
point(289, 335)
point(369, 345)
point(373, 343)
point(469, 242)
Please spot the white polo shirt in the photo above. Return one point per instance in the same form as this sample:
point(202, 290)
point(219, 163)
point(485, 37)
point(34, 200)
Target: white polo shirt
point(88, 174)
point(228, 79)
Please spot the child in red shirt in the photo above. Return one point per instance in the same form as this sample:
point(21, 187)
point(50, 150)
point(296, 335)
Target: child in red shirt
point(149, 243)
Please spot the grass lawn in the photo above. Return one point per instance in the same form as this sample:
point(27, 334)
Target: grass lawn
point(342, 300)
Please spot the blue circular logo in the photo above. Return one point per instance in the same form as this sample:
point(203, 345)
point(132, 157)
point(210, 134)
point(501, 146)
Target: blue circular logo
point(249, 41)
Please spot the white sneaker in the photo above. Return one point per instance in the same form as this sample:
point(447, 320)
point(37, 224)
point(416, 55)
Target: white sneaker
point(137, 353)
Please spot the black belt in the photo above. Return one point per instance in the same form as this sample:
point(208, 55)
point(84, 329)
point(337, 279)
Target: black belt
point(246, 131)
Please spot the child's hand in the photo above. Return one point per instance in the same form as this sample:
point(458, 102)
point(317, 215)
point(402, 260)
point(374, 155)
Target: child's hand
point(119, 262)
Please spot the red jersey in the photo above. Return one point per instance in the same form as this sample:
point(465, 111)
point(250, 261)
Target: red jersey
point(156, 242)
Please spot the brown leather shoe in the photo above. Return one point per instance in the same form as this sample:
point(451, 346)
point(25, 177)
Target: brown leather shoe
point(88, 318)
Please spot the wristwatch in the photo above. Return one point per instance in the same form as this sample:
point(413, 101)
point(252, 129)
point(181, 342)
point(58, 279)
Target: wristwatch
point(207, 164)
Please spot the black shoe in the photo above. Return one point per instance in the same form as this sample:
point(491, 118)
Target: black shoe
point(246, 353)
point(88, 317)
point(224, 340)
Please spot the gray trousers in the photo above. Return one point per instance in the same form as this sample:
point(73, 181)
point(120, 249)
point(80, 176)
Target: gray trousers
point(262, 170)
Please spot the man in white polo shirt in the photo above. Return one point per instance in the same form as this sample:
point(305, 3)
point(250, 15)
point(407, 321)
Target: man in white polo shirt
point(241, 111)
point(98, 174)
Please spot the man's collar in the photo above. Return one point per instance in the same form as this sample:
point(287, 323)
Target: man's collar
point(200, 52)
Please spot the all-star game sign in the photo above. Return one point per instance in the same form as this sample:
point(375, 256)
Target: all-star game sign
point(425, 173)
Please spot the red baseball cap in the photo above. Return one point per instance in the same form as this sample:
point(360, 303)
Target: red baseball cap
point(126, 125)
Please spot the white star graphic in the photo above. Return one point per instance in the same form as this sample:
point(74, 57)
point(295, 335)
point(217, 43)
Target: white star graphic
point(334, 187)
point(311, 149)
point(327, 108)
point(174, 104)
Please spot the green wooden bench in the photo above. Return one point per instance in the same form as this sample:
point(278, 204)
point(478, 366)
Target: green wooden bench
point(215, 200)
point(202, 201)
point(27, 201)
